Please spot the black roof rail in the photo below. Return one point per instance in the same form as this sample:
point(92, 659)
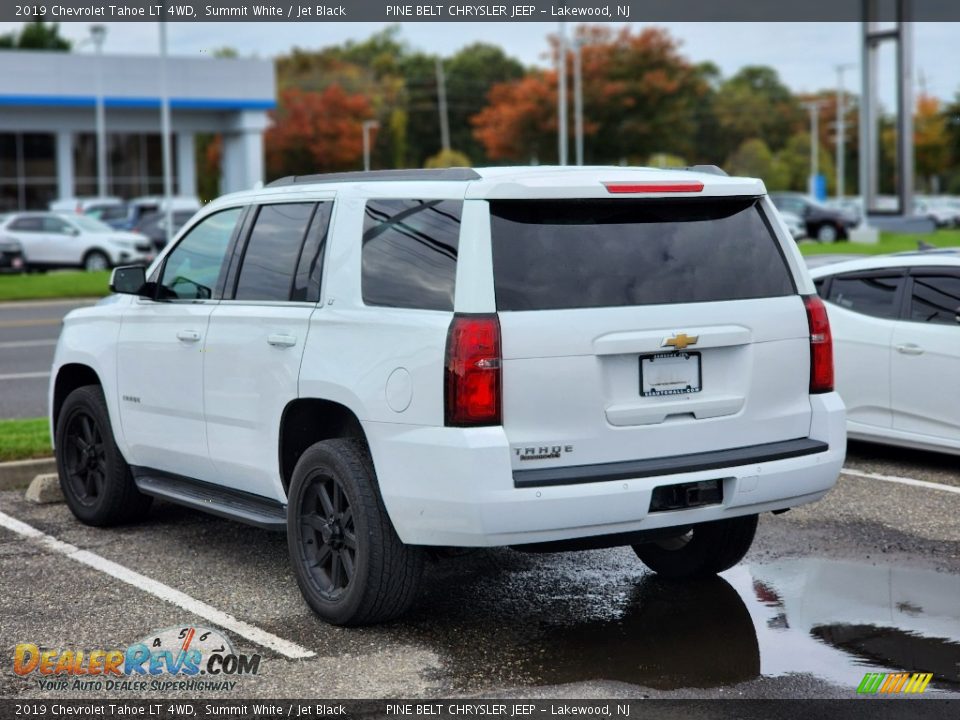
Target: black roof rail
point(708, 169)
point(454, 174)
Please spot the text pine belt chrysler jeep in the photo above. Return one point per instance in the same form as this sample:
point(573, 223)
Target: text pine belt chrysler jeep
point(388, 362)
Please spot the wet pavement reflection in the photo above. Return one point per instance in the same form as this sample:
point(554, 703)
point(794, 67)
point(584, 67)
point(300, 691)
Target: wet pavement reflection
point(834, 620)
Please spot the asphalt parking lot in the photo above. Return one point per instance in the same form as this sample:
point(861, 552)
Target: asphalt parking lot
point(28, 336)
point(866, 580)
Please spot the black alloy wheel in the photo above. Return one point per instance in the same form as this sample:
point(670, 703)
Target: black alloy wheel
point(85, 458)
point(329, 537)
point(97, 483)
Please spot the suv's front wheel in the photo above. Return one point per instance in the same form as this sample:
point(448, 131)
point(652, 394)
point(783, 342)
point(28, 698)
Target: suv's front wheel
point(350, 565)
point(94, 477)
point(703, 550)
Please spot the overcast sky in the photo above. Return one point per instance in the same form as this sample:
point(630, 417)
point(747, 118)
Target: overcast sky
point(804, 54)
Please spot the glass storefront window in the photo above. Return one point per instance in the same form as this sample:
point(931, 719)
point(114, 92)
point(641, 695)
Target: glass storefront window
point(28, 171)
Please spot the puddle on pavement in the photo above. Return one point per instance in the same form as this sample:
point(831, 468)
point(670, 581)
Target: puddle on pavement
point(834, 620)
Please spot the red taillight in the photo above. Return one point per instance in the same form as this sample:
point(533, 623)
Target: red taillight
point(821, 345)
point(473, 371)
point(653, 186)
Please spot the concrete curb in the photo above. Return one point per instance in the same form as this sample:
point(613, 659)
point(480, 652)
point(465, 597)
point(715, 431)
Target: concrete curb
point(18, 474)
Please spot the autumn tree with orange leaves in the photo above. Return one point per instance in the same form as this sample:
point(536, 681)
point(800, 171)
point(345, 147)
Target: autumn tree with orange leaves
point(641, 96)
point(316, 131)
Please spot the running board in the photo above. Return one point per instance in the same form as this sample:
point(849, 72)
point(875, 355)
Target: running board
point(244, 507)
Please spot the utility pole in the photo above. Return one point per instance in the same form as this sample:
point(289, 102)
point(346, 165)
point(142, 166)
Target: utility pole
point(165, 135)
point(578, 98)
point(442, 102)
point(562, 95)
point(368, 125)
point(841, 127)
point(814, 108)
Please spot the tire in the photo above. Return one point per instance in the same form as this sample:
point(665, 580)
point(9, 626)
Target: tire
point(350, 565)
point(95, 260)
point(827, 233)
point(704, 550)
point(94, 477)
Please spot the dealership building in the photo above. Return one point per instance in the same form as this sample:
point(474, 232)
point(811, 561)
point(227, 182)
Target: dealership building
point(48, 123)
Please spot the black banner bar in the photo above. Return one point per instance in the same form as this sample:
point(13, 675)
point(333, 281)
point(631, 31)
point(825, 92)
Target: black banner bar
point(646, 11)
point(872, 708)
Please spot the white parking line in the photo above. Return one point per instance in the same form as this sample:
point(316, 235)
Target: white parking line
point(27, 343)
point(24, 376)
point(158, 590)
point(902, 480)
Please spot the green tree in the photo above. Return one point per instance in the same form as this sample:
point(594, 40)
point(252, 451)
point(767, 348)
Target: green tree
point(36, 35)
point(794, 162)
point(754, 103)
point(447, 159)
point(754, 159)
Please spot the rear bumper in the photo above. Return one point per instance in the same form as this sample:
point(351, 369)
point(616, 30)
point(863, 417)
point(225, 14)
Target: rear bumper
point(455, 487)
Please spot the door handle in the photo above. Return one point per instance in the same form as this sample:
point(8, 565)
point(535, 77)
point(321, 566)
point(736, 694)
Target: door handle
point(279, 340)
point(188, 335)
point(910, 349)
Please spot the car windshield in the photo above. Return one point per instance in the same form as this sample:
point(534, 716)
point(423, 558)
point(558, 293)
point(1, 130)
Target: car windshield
point(89, 224)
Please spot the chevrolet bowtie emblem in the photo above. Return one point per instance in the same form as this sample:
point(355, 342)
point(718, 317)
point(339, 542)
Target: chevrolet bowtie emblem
point(681, 341)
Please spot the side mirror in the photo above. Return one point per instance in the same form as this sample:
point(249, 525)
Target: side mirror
point(129, 280)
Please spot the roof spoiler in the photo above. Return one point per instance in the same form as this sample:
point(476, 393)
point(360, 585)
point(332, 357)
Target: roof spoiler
point(708, 169)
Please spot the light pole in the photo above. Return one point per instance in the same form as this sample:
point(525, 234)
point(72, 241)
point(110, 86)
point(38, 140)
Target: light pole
point(562, 95)
point(368, 125)
point(578, 98)
point(98, 33)
point(165, 134)
point(841, 127)
point(814, 108)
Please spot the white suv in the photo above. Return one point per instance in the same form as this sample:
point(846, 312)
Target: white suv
point(377, 363)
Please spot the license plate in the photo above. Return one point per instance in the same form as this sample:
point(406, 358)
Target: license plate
point(672, 373)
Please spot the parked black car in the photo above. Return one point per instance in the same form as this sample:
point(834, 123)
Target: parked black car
point(823, 223)
point(154, 226)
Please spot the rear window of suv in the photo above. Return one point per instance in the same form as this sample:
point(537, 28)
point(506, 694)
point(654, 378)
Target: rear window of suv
point(550, 255)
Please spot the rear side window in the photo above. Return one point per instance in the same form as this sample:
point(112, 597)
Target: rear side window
point(550, 255)
point(273, 250)
point(869, 295)
point(306, 283)
point(935, 299)
point(27, 224)
point(410, 253)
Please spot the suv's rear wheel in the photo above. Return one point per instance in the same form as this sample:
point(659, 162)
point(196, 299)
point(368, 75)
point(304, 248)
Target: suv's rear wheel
point(95, 479)
point(703, 550)
point(350, 565)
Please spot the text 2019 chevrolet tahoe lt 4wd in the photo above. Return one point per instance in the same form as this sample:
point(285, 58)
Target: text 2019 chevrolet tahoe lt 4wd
point(547, 358)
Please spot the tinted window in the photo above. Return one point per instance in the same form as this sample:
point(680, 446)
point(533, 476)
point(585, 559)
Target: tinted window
point(410, 253)
point(306, 284)
point(935, 299)
point(191, 270)
point(55, 225)
point(27, 224)
point(868, 295)
point(272, 252)
point(550, 254)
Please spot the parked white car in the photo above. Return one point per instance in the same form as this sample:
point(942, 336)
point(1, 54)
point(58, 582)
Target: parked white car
point(896, 334)
point(376, 363)
point(53, 240)
point(795, 224)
